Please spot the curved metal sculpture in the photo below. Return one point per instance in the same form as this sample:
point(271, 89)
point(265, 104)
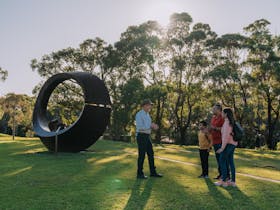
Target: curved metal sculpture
point(91, 123)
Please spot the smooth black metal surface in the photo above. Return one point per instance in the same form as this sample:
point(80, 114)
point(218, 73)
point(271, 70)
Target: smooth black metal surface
point(91, 123)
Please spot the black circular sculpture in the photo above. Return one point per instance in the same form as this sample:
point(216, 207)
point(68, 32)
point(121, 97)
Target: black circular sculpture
point(91, 123)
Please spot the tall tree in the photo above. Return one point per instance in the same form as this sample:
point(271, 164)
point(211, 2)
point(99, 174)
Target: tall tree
point(138, 49)
point(19, 109)
point(188, 62)
point(126, 107)
point(140, 54)
point(228, 73)
point(264, 60)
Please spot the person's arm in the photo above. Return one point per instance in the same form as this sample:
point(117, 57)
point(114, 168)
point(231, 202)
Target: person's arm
point(227, 130)
point(226, 135)
point(154, 126)
point(216, 128)
point(211, 140)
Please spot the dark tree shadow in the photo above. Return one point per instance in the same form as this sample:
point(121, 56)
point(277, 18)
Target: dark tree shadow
point(237, 197)
point(139, 197)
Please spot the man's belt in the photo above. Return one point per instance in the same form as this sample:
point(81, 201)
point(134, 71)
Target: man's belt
point(140, 133)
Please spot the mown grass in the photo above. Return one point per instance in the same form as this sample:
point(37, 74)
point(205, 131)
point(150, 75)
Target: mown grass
point(104, 178)
point(5, 137)
point(255, 162)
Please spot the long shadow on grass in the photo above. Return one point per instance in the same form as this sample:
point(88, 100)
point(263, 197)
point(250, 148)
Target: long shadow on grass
point(237, 196)
point(139, 197)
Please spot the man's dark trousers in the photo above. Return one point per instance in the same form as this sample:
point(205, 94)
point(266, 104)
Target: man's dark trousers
point(145, 146)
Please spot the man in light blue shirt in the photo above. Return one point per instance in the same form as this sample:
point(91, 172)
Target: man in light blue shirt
point(144, 126)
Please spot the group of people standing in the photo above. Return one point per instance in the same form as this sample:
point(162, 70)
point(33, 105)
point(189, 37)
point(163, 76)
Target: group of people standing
point(218, 134)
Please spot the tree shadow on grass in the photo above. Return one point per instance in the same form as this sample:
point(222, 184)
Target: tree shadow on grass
point(139, 196)
point(238, 199)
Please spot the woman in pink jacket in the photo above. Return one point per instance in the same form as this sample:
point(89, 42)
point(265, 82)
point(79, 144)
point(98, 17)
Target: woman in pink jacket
point(227, 149)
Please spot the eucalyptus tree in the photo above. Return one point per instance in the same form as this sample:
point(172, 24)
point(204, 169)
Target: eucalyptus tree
point(140, 56)
point(94, 53)
point(229, 74)
point(17, 110)
point(138, 50)
point(264, 60)
point(156, 73)
point(188, 61)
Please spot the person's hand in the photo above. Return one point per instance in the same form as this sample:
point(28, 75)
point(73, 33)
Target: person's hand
point(215, 128)
point(219, 150)
point(154, 126)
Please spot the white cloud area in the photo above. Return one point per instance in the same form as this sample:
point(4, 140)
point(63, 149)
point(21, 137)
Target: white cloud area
point(31, 28)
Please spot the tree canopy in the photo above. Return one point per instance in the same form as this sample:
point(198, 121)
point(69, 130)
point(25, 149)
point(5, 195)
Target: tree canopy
point(184, 68)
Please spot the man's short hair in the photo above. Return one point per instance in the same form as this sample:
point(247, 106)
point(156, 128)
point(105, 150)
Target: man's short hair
point(146, 101)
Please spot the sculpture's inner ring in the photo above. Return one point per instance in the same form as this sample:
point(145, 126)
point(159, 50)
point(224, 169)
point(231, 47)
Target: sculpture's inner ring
point(92, 121)
point(65, 104)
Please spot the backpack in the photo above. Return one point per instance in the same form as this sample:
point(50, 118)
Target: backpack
point(238, 132)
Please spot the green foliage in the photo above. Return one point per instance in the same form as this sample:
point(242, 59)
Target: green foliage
point(66, 103)
point(16, 114)
point(264, 58)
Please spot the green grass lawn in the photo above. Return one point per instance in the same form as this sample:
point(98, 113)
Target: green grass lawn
point(32, 178)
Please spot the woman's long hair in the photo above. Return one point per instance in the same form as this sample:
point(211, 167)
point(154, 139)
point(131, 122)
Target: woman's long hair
point(230, 116)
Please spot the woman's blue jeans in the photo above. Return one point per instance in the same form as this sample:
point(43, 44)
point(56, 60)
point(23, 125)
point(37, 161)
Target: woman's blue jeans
point(227, 156)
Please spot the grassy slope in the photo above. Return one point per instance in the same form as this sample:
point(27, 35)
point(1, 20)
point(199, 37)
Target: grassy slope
point(32, 178)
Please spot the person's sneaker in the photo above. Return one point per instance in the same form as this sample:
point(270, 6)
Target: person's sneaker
point(206, 176)
point(156, 175)
point(221, 183)
point(218, 183)
point(231, 183)
point(142, 176)
point(200, 176)
point(225, 184)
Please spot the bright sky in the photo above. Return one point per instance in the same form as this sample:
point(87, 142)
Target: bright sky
point(31, 28)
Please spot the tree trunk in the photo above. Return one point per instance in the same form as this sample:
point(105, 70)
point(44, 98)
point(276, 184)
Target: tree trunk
point(270, 127)
point(159, 116)
point(158, 122)
point(183, 135)
point(14, 127)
